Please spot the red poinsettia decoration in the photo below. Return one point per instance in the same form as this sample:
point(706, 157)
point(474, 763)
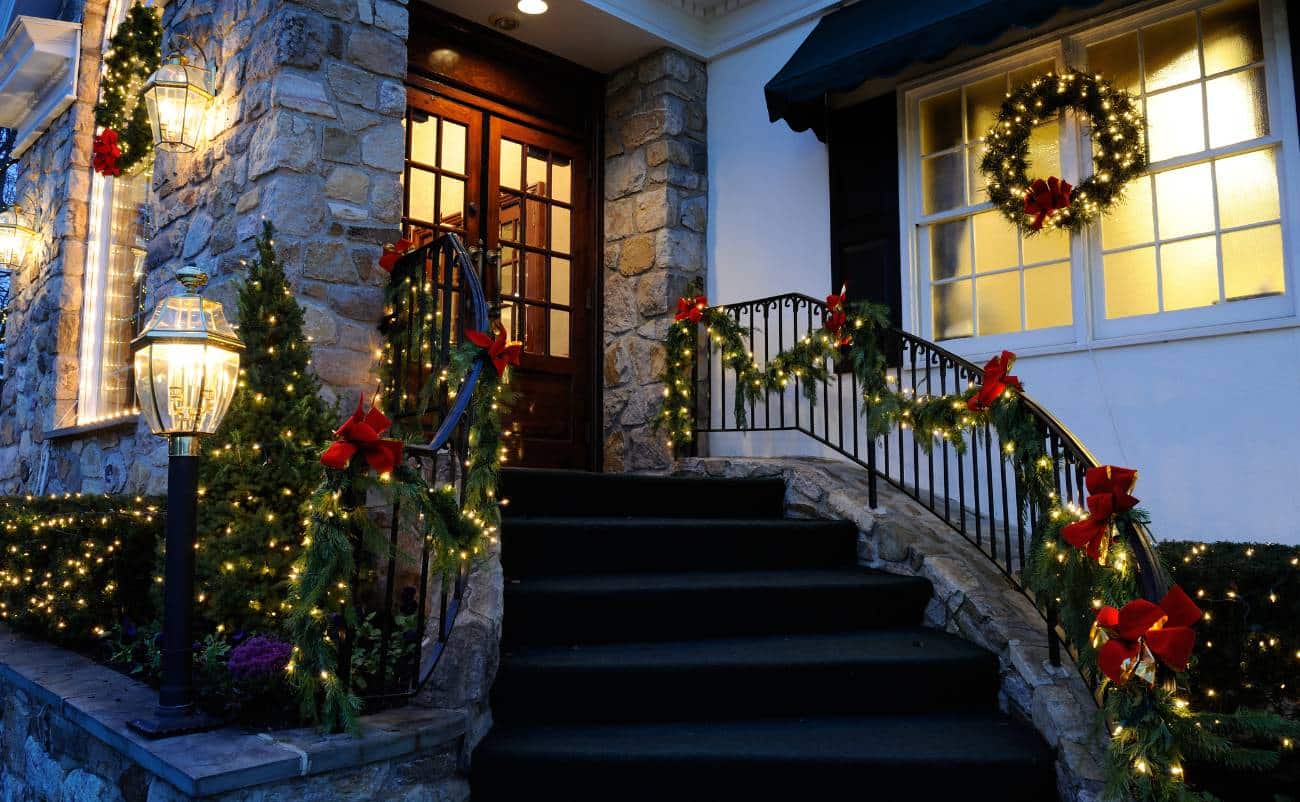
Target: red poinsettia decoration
point(500, 351)
point(393, 252)
point(1109, 493)
point(1045, 197)
point(360, 434)
point(1140, 633)
point(105, 152)
point(691, 309)
point(997, 379)
point(836, 317)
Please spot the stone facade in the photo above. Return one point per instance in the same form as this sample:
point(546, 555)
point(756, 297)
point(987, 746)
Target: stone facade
point(971, 599)
point(306, 131)
point(63, 738)
point(656, 212)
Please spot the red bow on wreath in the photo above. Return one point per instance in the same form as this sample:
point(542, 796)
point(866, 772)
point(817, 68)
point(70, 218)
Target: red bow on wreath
point(837, 317)
point(1109, 491)
point(359, 434)
point(500, 351)
point(1135, 636)
point(691, 308)
point(393, 252)
point(1045, 197)
point(996, 382)
point(105, 152)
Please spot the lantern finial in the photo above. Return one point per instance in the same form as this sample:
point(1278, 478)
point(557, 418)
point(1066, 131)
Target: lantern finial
point(192, 278)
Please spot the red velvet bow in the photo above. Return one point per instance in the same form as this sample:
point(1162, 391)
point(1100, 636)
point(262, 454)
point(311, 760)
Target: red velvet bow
point(996, 382)
point(1109, 491)
point(1045, 197)
point(837, 317)
point(359, 434)
point(499, 350)
point(691, 308)
point(1139, 633)
point(105, 152)
point(393, 252)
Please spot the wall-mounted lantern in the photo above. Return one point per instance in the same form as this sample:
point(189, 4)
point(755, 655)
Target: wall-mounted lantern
point(178, 97)
point(17, 233)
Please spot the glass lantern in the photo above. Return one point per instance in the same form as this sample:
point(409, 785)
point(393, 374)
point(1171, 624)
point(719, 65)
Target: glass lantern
point(186, 362)
point(17, 230)
point(177, 98)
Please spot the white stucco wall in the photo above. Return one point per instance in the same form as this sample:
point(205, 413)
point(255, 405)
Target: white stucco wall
point(769, 210)
point(1212, 424)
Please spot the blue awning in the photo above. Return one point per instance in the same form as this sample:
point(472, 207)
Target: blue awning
point(880, 38)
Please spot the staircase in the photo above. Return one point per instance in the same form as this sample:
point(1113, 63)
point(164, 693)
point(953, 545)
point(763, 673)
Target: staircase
point(670, 638)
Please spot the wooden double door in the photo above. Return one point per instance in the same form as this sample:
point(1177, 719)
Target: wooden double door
point(521, 197)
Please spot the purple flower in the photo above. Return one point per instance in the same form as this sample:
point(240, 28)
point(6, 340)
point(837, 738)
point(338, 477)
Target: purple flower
point(258, 657)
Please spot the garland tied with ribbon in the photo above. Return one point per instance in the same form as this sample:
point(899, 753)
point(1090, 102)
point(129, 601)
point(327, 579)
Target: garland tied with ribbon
point(125, 137)
point(1089, 575)
point(1119, 151)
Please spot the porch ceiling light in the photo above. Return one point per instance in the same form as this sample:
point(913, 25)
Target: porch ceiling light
point(532, 6)
point(17, 232)
point(177, 97)
point(186, 363)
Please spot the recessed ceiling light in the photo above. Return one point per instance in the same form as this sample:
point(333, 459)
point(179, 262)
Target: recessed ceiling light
point(532, 6)
point(503, 22)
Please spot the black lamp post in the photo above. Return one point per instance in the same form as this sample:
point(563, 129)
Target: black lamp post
point(186, 372)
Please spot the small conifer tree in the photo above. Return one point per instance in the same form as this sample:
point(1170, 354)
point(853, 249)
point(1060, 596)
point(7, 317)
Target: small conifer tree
point(264, 460)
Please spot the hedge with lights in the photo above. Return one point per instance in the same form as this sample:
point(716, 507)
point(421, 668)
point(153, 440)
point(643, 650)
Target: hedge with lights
point(1077, 557)
point(1119, 151)
point(263, 461)
point(70, 564)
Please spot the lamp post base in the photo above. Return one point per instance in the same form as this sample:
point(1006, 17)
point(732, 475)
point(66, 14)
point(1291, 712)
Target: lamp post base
point(167, 724)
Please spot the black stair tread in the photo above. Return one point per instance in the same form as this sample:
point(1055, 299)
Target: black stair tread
point(949, 739)
point(679, 581)
point(687, 522)
point(550, 491)
point(906, 645)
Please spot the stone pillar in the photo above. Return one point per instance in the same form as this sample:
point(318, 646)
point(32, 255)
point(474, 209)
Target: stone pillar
point(309, 136)
point(656, 209)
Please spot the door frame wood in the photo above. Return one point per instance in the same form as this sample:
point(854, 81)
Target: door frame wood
point(476, 66)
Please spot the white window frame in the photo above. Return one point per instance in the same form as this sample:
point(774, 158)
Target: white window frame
point(1090, 330)
point(89, 409)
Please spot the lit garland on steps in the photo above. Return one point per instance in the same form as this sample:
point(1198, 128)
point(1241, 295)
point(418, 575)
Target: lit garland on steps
point(1153, 727)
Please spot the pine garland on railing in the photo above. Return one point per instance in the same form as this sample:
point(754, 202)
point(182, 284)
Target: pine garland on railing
point(1136, 652)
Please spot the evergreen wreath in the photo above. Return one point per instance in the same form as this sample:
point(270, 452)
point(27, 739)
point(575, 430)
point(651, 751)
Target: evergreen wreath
point(135, 51)
point(1119, 145)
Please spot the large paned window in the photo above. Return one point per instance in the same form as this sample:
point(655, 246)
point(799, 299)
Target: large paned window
point(119, 229)
point(1200, 240)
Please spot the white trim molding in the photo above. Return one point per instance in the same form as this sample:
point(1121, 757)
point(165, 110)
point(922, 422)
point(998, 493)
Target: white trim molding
point(38, 75)
point(708, 29)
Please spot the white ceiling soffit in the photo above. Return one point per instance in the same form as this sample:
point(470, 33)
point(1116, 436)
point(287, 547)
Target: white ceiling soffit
point(38, 75)
point(711, 28)
point(604, 35)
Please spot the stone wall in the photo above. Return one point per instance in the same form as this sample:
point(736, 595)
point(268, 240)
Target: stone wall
point(305, 131)
point(63, 738)
point(656, 211)
point(971, 599)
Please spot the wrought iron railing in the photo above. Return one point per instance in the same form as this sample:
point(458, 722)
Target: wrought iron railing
point(976, 493)
point(436, 293)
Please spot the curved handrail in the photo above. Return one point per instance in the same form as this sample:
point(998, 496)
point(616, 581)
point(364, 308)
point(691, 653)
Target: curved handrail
point(798, 315)
point(470, 282)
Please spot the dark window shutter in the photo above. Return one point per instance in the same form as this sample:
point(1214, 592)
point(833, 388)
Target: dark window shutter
point(1293, 23)
point(863, 152)
point(862, 143)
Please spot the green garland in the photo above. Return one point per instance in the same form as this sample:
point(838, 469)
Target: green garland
point(1153, 730)
point(1119, 140)
point(135, 52)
